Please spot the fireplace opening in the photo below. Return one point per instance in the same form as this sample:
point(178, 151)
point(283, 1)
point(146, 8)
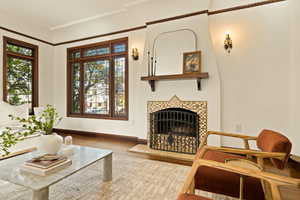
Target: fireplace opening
point(174, 129)
point(176, 121)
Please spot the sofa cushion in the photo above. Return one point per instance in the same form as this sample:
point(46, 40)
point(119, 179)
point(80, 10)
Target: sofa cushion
point(7, 109)
point(191, 197)
point(224, 182)
point(272, 141)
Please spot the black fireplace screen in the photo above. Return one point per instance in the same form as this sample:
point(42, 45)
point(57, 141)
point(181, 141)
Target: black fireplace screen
point(175, 130)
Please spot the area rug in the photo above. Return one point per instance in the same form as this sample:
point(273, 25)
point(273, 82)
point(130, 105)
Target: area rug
point(134, 178)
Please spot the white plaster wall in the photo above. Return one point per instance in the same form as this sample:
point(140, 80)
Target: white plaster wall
point(295, 71)
point(255, 76)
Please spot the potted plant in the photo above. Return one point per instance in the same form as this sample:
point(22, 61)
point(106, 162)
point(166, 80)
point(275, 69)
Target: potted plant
point(50, 143)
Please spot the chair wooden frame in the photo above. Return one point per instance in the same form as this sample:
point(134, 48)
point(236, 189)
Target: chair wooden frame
point(274, 180)
point(260, 155)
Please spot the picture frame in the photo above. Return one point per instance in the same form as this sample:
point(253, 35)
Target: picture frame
point(192, 62)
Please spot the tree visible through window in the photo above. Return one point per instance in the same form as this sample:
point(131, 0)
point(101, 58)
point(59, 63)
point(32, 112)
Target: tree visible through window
point(20, 72)
point(97, 80)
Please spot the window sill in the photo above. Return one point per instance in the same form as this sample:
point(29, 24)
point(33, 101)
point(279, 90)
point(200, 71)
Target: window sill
point(87, 116)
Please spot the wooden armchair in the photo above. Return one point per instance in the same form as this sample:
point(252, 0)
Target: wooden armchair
point(274, 181)
point(273, 145)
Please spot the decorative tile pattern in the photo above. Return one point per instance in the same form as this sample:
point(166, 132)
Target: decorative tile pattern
point(199, 107)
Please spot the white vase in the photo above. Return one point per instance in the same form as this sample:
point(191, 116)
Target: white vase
point(50, 144)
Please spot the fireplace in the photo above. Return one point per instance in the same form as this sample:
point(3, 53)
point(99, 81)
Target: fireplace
point(176, 126)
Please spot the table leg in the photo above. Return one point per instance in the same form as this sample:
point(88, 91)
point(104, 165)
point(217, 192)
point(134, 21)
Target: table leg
point(42, 194)
point(107, 165)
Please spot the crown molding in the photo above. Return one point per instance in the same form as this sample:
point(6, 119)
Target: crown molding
point(27, 36)
point(252, 5)
point(102, 35)
point(177, 17)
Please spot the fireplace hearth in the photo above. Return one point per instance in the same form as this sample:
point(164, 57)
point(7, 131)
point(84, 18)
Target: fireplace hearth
point(176, 126)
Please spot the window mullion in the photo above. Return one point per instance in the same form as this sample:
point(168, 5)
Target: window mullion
point(33, 100)
point(81, 99)
point(112, 85)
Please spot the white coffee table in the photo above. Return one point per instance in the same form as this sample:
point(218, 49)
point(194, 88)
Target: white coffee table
point(82, 158)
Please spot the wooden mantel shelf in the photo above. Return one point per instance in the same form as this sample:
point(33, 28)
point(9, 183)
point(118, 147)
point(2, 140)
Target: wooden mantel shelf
point(197, 76)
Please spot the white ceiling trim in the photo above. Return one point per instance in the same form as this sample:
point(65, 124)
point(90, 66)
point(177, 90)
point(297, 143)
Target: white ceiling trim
point(126, 6)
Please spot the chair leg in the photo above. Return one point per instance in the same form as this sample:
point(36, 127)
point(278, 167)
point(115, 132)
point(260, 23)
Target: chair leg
point(275, 192)
point(192, 187)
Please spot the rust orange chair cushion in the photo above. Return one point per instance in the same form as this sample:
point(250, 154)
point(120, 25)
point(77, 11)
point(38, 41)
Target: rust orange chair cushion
point(272, 141)
point(224, 182)
point(191, 197)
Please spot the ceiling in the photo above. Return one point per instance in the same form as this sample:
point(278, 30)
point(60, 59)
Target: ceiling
point(55, 14)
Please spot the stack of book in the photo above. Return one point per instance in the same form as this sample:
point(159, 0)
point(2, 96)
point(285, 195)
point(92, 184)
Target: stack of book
point(46, 164)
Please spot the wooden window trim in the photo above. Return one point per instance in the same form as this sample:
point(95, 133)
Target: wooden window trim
point(81, 60)
point(35, 72)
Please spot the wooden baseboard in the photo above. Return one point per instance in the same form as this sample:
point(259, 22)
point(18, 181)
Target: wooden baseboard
point(142, 141)
point(103, 135)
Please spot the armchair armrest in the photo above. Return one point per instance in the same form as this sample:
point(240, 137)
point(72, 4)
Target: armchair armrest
point(245, 138)
point(259, 154)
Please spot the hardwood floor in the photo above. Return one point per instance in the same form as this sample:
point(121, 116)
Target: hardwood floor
point(122, 147)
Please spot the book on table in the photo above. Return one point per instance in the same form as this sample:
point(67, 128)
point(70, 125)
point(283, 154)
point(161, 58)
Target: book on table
point(46, 164)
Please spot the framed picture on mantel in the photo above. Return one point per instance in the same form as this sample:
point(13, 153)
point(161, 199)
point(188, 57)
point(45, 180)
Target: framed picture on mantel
point(192, 62)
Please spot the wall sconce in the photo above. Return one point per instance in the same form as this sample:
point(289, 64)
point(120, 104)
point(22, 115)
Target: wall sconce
point(135, 54)
point(228, 43)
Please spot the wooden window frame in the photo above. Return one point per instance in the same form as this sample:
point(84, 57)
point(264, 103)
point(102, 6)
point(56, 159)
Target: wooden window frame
point(81, 60)
point(35, 69)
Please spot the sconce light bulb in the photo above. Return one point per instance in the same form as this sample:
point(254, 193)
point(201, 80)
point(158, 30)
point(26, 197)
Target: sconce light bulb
point(135, 54)
point(228, 45)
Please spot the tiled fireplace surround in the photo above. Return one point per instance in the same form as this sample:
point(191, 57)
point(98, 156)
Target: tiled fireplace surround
point(186, 143)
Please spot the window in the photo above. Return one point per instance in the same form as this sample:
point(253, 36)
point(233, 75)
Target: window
point(98, 80)
point(20, 72)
